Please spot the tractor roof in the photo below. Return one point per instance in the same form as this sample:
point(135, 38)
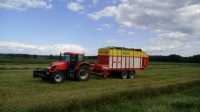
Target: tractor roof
point(73, 53)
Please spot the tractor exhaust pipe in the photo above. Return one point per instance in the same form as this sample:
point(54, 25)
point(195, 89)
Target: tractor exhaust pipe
point(60, 57)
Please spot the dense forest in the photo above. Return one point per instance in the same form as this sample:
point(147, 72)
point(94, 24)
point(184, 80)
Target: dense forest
point(160, 58)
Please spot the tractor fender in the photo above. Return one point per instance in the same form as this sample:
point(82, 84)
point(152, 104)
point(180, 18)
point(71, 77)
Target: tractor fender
point(81, 64)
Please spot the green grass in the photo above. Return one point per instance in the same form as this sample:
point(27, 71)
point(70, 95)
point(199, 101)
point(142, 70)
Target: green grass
point(22, 60)
point(21, 66)
point(187, 100)
point(20, 92)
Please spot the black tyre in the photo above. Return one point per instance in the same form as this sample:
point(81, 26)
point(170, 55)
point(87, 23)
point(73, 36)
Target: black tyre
point(124, 75)
point(131, 75)
point(58, 78)
point(83, 73)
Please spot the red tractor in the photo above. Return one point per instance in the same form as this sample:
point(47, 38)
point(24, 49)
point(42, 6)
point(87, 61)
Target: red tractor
point(115, 61)
point(71, 66)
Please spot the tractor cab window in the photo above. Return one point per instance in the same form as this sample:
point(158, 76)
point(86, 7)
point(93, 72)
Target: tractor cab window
point(76, 58)
point(66, 57)
point(80, 57)
point(73, 58)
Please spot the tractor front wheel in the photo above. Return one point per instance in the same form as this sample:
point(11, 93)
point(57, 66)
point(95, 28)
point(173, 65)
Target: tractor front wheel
point(83, 73)
point(58, 78)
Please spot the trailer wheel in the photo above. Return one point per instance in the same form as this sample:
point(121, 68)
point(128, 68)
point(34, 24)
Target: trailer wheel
point(83, 73)
point(58, 78)
point(124, 75)
point(131, 75)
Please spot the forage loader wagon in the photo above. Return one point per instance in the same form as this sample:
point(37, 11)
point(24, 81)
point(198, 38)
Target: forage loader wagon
point(112, 61)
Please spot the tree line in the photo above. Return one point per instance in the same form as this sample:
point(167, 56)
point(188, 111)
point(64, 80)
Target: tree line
point(156, 58)
point(169, 58)
point(176, 58)
point(28, 56)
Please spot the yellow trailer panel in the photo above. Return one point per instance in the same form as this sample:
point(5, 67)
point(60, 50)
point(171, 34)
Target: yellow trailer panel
point(119, 57)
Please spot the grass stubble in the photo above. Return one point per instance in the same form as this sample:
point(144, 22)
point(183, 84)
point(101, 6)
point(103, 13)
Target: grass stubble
point(20, 92)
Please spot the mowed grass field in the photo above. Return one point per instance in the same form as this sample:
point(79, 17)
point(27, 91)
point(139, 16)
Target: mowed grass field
point(158, 88)
point(187, 100)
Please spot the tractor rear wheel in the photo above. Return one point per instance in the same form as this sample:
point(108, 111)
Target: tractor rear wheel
point(58, 77)
point(83, 73)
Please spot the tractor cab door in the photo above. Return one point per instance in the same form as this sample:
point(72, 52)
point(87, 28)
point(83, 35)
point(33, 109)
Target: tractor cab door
point(74, 60)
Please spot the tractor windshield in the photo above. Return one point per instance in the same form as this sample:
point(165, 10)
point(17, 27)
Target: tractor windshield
point(66, 57)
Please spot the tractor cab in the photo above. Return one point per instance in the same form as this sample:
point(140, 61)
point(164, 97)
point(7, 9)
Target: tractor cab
point(73, 58)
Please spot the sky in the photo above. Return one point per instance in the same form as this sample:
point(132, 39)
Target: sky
point(53, 26)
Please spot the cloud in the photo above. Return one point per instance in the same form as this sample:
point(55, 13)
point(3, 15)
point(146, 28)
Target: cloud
point(22, 48)
point(75, 6)
point(106, 12)
point(81, 5)
point(25, 4)
point(176, 23)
